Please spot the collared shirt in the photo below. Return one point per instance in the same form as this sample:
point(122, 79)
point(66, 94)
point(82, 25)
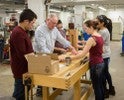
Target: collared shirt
point(45, 39)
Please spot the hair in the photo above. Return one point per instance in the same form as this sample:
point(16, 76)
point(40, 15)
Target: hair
point(109, 25)
point(27, 14)
point(59, 22)
point(91, 23)
point(107, 22)
point(51, 15)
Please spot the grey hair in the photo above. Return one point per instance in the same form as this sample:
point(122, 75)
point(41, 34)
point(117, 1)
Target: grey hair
point(51, 15)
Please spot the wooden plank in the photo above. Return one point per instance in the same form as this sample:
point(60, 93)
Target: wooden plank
point(77, 90)
point(85, 81)
point(45, 91)
point(55, 93)
point(79, 71)
point(67, 68)
point(48, 81)
point(87, 93)
point(73, 37)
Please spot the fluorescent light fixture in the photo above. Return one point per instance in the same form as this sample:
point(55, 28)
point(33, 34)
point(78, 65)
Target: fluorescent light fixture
point(92, 4)
point(90, 12)
point(102, 8)
point(53, 10)
point(18, 11)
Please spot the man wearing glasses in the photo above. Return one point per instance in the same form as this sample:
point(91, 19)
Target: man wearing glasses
point(47, 34)
point(45, 37)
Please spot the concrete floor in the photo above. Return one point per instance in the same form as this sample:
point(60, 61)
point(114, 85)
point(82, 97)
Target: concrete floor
point(116, 69)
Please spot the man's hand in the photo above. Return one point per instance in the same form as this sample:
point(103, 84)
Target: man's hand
point(73, 51)
point(62, 57)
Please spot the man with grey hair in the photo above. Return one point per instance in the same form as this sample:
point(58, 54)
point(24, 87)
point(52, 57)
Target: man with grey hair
point(45, 37)
point(47, 34)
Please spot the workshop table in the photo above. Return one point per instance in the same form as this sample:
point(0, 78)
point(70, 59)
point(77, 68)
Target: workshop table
point(67, 77)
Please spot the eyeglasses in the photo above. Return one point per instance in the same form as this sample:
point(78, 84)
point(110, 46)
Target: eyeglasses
point(53, 22)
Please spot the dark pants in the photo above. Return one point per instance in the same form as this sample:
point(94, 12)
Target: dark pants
point(1, 50)
point(97, 76)
point(107, 74)
point(19, 92)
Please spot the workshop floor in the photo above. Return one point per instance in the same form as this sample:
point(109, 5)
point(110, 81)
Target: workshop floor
point(116, 69)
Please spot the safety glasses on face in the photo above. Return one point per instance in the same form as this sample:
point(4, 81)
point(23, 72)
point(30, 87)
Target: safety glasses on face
point(54, 23)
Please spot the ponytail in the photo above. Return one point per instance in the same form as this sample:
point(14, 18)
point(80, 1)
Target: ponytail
point(109, 25)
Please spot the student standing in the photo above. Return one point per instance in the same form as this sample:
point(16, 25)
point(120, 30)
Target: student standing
point(20, 44)
point(94, 46)
point(103, 23)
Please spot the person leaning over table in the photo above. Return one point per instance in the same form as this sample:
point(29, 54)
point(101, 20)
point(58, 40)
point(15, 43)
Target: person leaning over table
point(59, 48)
point(47, 34)
point(94, 46)
point(20, 44)
point(45, 37)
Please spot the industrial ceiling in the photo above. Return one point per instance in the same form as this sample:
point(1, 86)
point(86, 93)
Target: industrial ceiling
point(108, 4)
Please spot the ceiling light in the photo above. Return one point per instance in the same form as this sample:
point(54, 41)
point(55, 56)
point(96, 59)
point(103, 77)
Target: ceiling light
point(92, 4)
point(18, 11)
point(54, 10)
point(102, 8)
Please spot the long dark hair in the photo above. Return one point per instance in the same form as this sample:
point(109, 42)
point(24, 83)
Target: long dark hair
point(107, 22)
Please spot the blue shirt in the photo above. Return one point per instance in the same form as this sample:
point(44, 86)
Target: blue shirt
point(45, 39)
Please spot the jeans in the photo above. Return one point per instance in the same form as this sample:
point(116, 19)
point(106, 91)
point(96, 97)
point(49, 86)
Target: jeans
point(107, 74)
point(1, 50)
point(97, 76)
point(19, 92)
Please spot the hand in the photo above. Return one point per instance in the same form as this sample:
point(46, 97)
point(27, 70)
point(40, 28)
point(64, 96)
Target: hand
point(62, 57)
point(74, 51)
point(63, 50)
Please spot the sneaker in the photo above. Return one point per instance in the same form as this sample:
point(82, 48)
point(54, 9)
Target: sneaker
point(106, 94)
point(112, 91)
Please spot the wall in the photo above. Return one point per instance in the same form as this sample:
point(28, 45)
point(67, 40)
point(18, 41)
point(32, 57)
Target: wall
point(39, 8)
point(64, 16)
point(114, 14)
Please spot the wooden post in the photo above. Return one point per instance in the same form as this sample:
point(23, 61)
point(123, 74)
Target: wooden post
point(73, 37)
point(77, 90)
point(45, 91)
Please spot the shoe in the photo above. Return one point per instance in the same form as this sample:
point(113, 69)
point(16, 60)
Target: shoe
point(112, 91)
point(106, 94)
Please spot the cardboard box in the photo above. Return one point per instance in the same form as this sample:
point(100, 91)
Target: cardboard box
point(42, 64)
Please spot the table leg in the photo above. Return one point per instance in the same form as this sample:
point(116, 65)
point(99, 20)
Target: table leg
point(77, 90)
point(45, 91)
point(26, 93)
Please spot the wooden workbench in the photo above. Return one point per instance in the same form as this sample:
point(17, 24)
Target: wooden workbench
point(67, 77)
